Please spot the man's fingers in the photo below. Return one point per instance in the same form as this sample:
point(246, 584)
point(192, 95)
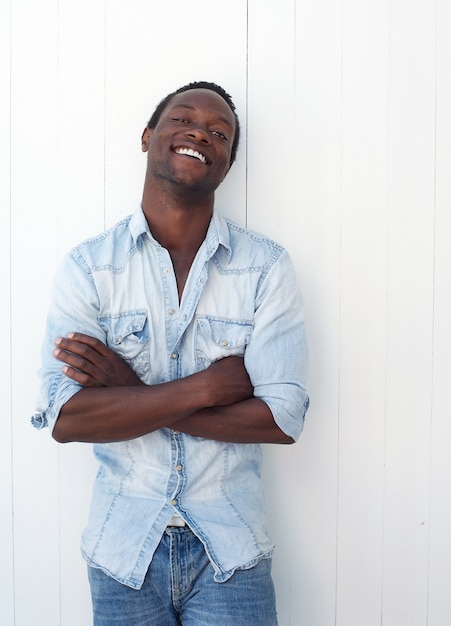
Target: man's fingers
point(72, 359)
point(91, 363)
point(78, 369)
point(92, 342)
point(79, 377)
point(87, 347)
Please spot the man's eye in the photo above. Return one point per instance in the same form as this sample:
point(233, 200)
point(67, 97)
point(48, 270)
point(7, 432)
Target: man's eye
point(180, 119)
point(220, 135)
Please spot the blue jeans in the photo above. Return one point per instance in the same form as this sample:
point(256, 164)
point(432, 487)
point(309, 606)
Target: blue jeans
point(179, 590)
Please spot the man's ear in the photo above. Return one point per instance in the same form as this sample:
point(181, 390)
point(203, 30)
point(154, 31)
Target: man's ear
point(145, 138)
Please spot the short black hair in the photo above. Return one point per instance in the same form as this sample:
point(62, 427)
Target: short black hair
point(155, 118)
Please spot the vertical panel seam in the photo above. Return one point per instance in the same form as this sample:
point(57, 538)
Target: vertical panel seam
point(434, 267)
point(10, 312)
point(340, 200)
point(247, 119)
point(389, 42)
point(104, 108)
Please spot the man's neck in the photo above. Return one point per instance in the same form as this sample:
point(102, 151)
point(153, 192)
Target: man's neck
point(178, 220)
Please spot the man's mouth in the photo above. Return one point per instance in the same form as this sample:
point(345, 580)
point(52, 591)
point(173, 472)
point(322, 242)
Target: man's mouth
point(192, 153)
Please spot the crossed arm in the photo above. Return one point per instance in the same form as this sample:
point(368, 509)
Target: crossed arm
point(115, 405)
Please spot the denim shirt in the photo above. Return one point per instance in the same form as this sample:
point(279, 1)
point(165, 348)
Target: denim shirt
point(240, 298)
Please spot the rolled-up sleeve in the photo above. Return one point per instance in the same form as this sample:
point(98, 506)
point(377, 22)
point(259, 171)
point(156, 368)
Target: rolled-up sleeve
point(276, 357)
point(73, 308)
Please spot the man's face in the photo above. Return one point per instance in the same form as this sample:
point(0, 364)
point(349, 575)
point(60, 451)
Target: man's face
point(192, 142)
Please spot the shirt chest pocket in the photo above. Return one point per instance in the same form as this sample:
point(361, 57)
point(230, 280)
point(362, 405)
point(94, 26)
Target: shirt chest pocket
point(127, 334)
point(219, 338)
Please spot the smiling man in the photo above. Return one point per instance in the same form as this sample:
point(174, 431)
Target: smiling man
point(175, 344)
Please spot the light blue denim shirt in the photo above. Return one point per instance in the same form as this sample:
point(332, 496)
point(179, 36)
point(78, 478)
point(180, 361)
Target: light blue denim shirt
point(241, 298)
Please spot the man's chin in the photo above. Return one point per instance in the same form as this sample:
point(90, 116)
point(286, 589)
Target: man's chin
point(187, 184)
point(185, 181)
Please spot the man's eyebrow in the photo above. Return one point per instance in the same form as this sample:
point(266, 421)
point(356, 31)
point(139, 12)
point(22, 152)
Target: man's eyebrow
point(189, 107)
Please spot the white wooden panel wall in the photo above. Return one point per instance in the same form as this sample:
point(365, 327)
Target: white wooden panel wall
point(345, 159)
point(6, 484)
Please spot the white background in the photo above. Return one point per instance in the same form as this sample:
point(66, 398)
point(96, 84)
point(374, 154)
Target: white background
point(345, 159)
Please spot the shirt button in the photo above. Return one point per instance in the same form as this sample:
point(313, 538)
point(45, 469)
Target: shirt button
point(166, 270)
point(173, 502)
point(224, 343)
point(171, 311)
point(174, 355)
point(178, 468)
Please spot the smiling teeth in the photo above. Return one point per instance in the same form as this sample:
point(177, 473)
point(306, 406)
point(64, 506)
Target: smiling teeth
point(192, 153)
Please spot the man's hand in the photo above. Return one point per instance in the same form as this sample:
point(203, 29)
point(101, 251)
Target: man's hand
point(228, 381)
point(92, 364)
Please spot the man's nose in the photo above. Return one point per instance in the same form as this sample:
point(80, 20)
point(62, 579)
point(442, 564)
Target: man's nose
point(199, 133)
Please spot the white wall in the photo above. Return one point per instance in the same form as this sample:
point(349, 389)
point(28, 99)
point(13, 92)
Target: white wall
point(345, 159)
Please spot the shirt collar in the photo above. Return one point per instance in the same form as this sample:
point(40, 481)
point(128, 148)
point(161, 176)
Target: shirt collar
point(138, 226)
point(217, 233)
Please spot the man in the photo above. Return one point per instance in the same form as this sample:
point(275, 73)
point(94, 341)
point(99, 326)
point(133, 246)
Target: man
point(175, 344)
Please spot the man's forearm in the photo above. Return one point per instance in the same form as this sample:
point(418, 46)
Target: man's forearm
point(117, 413)
point(105, 414)
point(249, 421)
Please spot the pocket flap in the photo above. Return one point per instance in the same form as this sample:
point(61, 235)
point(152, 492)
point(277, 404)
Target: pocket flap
point(226, 334)
point(120, 326)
